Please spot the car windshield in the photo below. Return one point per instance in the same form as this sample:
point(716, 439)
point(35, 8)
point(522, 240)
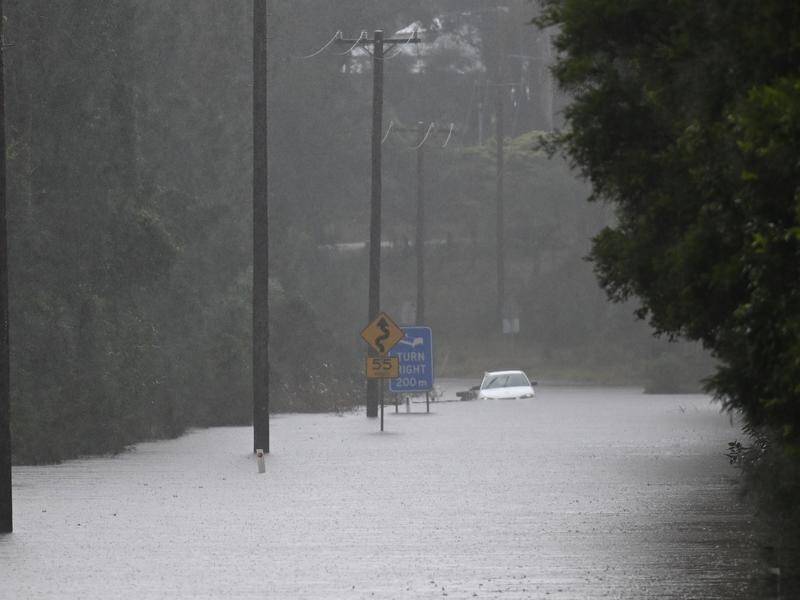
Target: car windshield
point(502, 380)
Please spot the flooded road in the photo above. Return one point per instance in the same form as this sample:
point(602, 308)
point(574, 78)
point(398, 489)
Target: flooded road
point(578, 493)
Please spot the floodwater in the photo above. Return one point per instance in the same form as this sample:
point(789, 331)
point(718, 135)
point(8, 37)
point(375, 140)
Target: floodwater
point(578, 493)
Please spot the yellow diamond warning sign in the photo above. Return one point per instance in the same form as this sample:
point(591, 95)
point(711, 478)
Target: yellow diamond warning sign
point(382, 334)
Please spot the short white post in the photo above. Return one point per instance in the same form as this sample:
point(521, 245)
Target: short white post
point(260, 456)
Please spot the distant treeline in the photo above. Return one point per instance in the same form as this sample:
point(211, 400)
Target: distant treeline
point(129, 147)
point(129, 218)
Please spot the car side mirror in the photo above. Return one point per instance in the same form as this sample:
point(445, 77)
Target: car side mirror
point(475, 388)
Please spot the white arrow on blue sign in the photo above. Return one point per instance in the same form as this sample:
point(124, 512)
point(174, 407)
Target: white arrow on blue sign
point(415, 352)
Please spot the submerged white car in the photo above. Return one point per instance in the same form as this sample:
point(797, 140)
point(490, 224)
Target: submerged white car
point(505, 385)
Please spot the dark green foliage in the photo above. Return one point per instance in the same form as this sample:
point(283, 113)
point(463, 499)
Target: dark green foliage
point(87, 243)
point(130, 215)
point(313, 371)
point(686, 116)
point(772, 482)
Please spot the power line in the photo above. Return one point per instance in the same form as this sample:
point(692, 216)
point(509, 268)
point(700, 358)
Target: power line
point(336, 36)
point(412, 39)
point(388, 131)
point(449, 135)
point(430, 131)
point(361, 37)
point(400, 46)
point(425, 138)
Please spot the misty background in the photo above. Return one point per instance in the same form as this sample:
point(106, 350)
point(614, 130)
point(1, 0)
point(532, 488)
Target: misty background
point(130, 213)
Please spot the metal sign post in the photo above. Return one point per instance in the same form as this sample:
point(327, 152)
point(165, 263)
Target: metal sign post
point(382, 334)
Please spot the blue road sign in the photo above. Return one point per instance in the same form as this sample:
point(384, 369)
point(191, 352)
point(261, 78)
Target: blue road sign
point(415, 352)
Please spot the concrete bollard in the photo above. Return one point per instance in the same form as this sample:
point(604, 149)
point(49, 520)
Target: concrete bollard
point(260, 456)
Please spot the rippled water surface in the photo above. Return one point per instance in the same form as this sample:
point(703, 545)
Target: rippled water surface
point(578, 493)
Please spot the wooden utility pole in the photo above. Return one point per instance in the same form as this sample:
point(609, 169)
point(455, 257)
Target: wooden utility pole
point(424, 131)
point(500, 141)
point(375, 386)
point(378, 44)
point(419, 242)
point(260, 232)
point(6, 521)
point(500, 212)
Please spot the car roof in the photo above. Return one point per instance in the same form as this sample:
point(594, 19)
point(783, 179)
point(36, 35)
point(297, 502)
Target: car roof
point(503, 373)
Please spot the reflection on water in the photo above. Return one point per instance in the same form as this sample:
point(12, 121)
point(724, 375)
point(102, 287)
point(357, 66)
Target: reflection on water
point(578, 493)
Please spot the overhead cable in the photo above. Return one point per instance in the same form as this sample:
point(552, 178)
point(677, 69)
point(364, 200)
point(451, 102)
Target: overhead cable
point(401, 45)
point(335, 37)
point(388, 131)
point(449, 135)
point(362, 36)
point(425, 139)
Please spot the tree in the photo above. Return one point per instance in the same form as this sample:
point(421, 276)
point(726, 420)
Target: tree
point(685, 116)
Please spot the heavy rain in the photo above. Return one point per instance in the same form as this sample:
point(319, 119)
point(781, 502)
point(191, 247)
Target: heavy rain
point(420, 299)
